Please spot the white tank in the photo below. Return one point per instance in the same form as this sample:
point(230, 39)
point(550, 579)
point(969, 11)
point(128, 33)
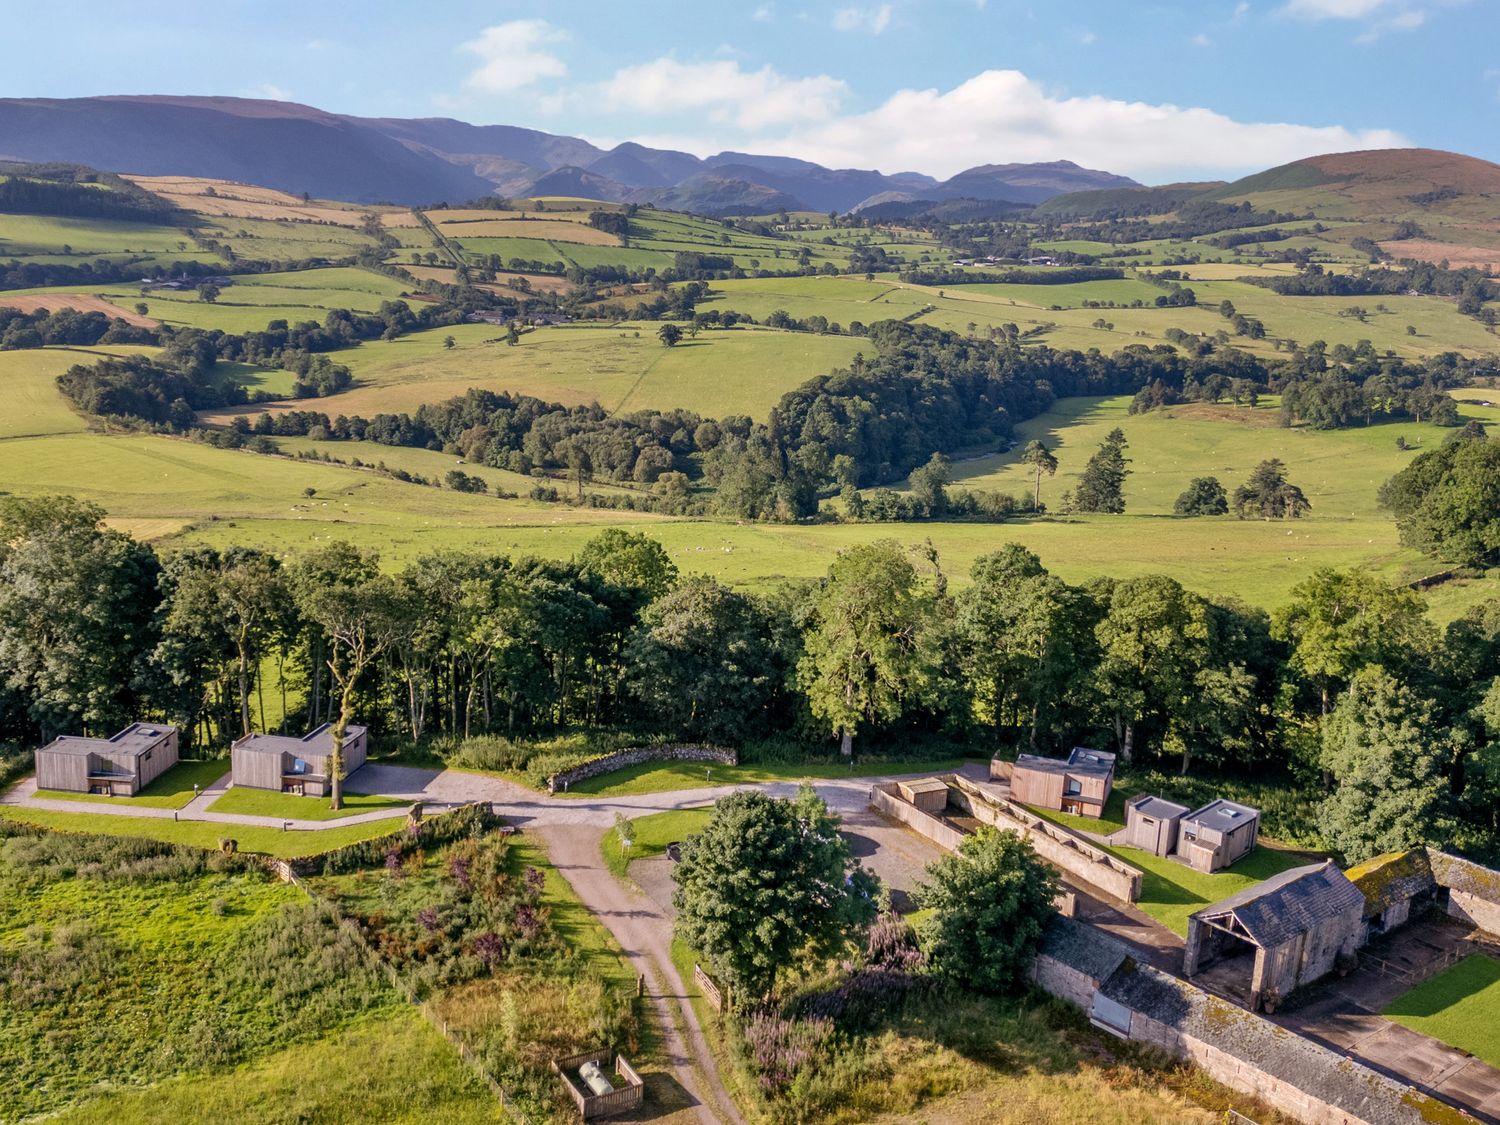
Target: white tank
point(594, 1078)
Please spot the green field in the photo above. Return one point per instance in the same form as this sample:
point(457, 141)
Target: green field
point(1456, 1007)
point(172, 790)
point(28, 382)
point(407, 1074)
point(622, 367)
point(23, 236)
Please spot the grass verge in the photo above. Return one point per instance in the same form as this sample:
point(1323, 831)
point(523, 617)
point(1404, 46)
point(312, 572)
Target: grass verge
point(663, 777)
point(243, 801)
point(650, 836)
point(203, 834)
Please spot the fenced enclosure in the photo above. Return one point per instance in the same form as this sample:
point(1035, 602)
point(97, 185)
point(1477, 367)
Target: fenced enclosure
point(623, 1099)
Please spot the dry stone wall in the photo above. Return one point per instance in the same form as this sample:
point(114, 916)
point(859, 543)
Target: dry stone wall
point(608, 763)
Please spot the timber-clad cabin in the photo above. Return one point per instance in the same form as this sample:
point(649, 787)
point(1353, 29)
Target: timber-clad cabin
point(120, 766)
point(1078, 784)
point(295, 765)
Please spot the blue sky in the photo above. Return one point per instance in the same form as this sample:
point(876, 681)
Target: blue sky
point(1157, 89)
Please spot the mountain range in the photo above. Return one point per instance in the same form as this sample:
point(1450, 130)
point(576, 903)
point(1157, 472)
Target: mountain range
point(300, 148)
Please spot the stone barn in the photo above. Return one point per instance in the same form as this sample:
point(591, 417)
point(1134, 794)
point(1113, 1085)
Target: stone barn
point(1282, 934)
point(1396, 886)
point(1152, 824)
point(295, 765)
point(1078, 784)
point(1214, 837)
point(120, 766)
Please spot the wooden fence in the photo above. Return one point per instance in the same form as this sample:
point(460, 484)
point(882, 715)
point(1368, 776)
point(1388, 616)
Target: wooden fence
point(710, 990)
point(590, 1106)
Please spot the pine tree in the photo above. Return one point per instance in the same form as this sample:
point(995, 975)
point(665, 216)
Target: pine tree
point(1101, 487)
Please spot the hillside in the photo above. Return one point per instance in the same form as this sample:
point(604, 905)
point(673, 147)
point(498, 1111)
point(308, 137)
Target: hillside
point(299, 148)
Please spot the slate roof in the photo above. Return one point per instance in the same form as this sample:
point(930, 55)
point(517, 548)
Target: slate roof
point(1301, 1063)
point(1390, 878)
point(1291, 903)
point(1085, 948)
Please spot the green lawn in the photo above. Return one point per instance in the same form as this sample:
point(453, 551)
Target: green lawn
point(245, 801)
point(1457, 1006)
point(651, 835)
point(662, 777)
point(204, 834)
point(1171, 891)
point(28, 387)
point(407, 1074)
point(1112, 820)
point(172, 790)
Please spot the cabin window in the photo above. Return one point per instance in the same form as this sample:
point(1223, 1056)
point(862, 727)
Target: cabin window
point(1073, 788)
point(299, 766)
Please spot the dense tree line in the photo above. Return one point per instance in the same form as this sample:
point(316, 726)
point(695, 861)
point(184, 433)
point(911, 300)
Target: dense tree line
point(1050, 275)
point(67, 327)
point(1349, 679)
point(1194, 219)
point(1472, 287)
point(1447, 501)
point(81, 194)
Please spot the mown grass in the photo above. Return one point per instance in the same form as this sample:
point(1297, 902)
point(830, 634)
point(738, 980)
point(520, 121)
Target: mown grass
point(243, 801)
point(202, 834)
point(662, 777)
point(23, 235)
point(28, 385)
point(1456, 1007)
point(650, 836)
point(394, 1068)
point(172, 790)
point(1170, 891)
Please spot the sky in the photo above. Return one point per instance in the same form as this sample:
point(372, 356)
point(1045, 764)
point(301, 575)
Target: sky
point(1160, 90)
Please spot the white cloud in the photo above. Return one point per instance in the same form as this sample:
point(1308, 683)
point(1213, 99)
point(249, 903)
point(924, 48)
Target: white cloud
point(1002, 115)
point(762, 14)
point(750, 99)
point(1378, 16)
point(269, 90)
point(1202, 40)
point(513, 55)
point(873, 19)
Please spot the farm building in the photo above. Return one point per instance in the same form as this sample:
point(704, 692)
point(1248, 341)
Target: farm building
point(930, 794)
point(1152, 823)
point(1214, 837)
point(295, 765)
point(1078, 784)
point(1396, 886)
point(117, 767)
point(1286, 932)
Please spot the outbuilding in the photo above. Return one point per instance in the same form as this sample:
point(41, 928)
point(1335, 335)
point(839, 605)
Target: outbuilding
point(1282, 934)
point(1079, 784)
point(120, 766)
point(1214, 837)
point(295, 765)
point(930, 794)
point(1152, 823)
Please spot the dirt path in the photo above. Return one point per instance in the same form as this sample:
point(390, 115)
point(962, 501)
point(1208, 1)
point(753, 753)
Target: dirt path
point(645, 934)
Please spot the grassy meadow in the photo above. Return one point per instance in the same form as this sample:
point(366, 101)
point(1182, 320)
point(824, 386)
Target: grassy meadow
point(1456, 1007)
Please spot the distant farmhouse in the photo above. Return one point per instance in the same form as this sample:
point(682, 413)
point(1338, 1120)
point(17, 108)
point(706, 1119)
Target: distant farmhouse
point(295, 765)
point(116, 767)
point(1207, 839)
point(1079, 784)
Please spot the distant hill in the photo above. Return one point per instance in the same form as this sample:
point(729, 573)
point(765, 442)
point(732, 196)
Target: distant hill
point(1123, 202)
point(299, 148)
